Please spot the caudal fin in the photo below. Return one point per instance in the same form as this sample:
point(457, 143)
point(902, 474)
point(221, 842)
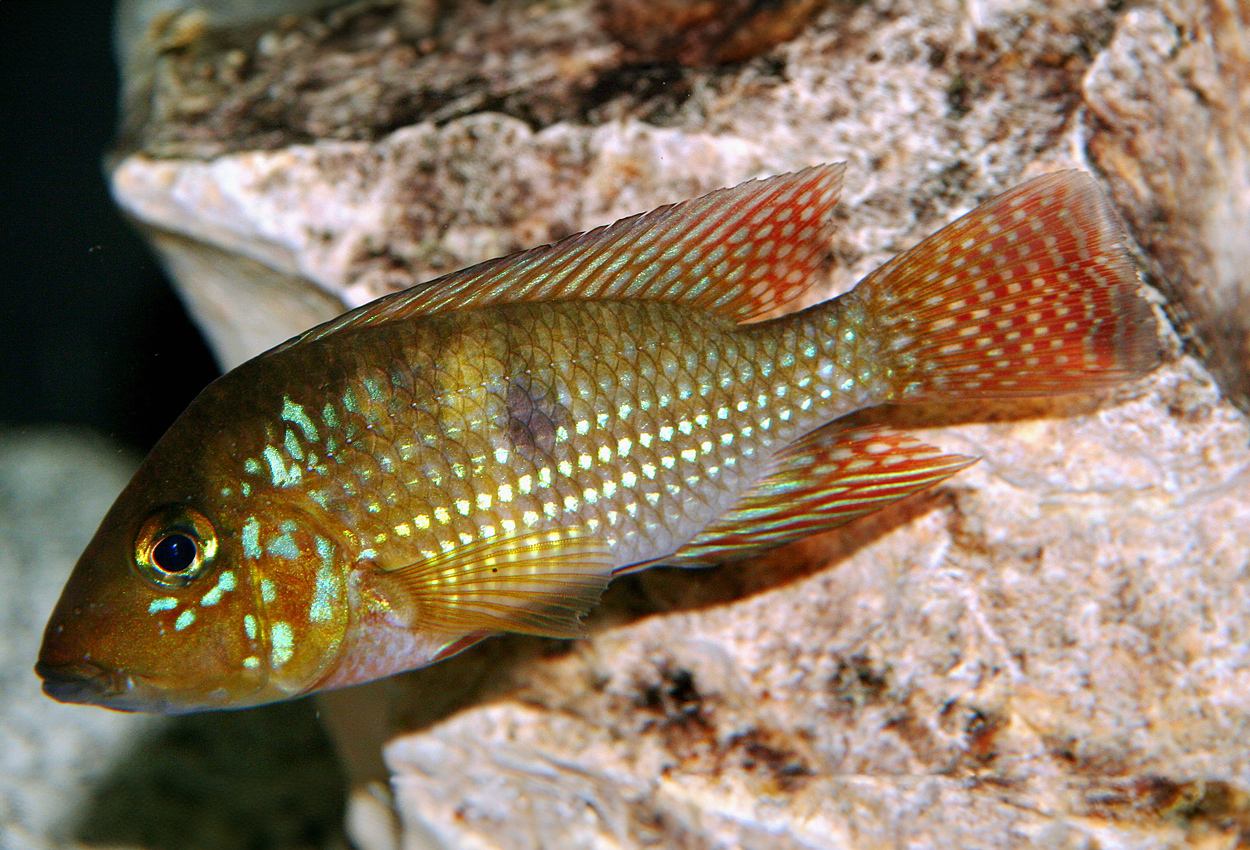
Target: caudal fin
point(1031, 293)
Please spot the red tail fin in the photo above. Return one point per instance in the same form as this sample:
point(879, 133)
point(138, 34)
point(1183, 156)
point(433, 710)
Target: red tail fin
point(1029, 294)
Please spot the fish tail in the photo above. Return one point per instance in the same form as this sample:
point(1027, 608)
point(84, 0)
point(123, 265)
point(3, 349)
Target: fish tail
point(1030, 294)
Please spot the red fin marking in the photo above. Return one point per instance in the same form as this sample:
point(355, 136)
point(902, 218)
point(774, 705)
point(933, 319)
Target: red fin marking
point(742, 252)
point(828, 478)
point(1029, 294)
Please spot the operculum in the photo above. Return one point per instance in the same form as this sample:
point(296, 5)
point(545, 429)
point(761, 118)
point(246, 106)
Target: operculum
point(301, 586)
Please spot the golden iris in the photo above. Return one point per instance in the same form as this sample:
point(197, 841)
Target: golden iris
point(175, 546)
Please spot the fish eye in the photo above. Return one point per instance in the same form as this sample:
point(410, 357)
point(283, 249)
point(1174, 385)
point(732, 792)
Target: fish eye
point(175, 546)
point(174, 553)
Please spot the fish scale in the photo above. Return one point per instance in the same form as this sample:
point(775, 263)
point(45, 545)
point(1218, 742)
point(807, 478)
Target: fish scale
point(432, 458)
point(482, 454)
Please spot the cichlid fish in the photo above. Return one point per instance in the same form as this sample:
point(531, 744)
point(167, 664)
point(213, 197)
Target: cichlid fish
point(483, 453)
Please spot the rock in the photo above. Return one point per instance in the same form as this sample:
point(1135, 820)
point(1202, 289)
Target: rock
point(1169, 124)
point(53, 490)
point(1050, 650)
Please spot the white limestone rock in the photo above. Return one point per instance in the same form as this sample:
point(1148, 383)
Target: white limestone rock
point(54, 487)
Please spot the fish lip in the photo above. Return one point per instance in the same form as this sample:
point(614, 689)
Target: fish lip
point(87, 683)
point(78, 682)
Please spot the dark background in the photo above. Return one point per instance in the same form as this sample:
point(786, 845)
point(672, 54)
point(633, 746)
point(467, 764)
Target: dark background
point(92, 334)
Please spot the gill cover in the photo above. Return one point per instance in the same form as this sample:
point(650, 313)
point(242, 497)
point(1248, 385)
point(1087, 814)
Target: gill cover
point(301, 592)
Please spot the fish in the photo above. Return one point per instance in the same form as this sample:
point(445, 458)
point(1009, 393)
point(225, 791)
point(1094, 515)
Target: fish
point(483, 453)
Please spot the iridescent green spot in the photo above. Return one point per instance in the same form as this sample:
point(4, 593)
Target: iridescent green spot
point(164, 603)
point(324, 594)
point(284, 547)
point(291, 443)
point(250, 538)
point(374, 388)
point(185, 619)
point(249, 626)
point(282, 643)
point(277, 469)
point(294, 413)
point(267, 593)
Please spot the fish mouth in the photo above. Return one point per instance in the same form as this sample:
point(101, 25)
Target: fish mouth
point(85, 683)
point(82, 682)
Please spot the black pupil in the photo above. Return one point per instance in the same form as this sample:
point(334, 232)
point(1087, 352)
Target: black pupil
point(174, 553)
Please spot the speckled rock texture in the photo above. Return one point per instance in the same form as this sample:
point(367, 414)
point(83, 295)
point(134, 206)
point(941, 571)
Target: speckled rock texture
point(1051, 650)
point(50, 755)
point(1169, 125)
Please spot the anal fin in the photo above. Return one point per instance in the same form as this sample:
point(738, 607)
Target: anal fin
point(828, 478)
point(535, 582)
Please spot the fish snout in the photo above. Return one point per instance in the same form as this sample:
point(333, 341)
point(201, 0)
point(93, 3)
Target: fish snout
point(79, 682)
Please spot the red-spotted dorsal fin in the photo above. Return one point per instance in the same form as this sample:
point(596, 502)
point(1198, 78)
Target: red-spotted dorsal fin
point(741, 252)
point(830, 477)
point(531, 582)
point(1032, 293)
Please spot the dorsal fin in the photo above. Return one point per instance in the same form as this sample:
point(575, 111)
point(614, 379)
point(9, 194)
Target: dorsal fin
point(741, 252)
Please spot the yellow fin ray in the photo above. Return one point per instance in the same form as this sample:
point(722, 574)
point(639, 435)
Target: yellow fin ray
point(538, 583)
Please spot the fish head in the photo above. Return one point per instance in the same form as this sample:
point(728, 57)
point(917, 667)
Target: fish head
point(192, 597)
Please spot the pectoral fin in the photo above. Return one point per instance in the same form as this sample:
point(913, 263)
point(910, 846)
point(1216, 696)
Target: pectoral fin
point(826, 479)
point(538, 583)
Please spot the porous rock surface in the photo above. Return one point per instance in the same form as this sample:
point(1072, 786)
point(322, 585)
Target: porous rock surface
point(53, 490)
point(1051, 650)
